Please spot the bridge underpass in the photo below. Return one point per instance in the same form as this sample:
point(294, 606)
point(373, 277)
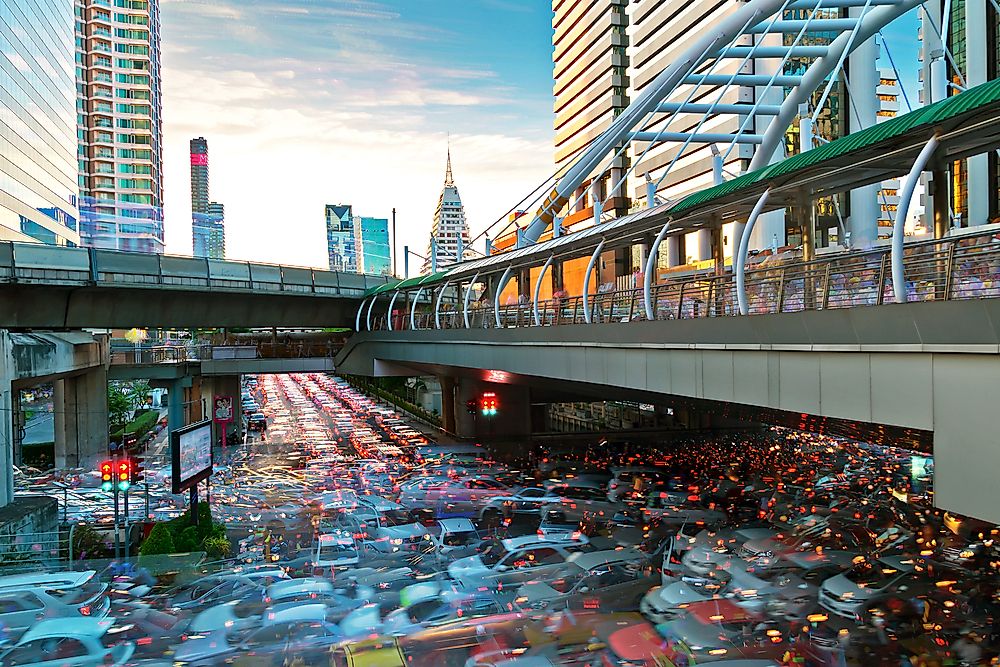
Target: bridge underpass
point(925, 371)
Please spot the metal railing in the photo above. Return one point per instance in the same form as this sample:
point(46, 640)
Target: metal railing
point(176, 354)
point(959, 267)
point(37, 264)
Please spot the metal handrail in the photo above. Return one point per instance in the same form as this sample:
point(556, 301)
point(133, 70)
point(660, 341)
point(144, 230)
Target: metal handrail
point(958, 267)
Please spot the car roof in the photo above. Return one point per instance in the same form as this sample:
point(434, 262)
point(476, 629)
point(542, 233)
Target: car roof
point(295, 611)
point(67, 627)
point(292, 586)
point(588, 561)
point(526, 541)
point(901, 563)
point(50, 579)
point(459, 525)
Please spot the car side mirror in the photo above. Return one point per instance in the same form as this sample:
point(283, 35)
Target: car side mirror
point(584, 589)
point(503, 568)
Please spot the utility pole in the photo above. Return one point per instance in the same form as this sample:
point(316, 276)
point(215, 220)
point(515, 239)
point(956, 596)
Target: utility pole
point(394, 242)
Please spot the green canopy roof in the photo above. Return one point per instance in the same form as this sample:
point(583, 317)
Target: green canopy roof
point(409, 283)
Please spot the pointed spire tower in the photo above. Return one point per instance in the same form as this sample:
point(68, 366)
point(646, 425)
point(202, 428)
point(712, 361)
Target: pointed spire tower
point(449, 226)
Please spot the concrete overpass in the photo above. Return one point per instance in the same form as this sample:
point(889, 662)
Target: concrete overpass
point(923, 375)
point(45, 287)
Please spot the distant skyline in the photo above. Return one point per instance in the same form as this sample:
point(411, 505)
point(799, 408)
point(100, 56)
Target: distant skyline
point(312, 102)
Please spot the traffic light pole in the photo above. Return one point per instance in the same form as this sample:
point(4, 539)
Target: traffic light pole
point(118, 544)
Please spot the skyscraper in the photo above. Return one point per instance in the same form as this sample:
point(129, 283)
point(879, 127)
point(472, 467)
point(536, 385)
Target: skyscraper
point(208, 233)
point(371, 238)
point(590, 68)
point(448, 227)
point(340, 243)
point(119, 124)
point(38, 187)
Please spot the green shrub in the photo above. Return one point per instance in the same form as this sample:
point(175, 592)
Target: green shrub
point(88, 544)
point(217, 546)
point(160, 541)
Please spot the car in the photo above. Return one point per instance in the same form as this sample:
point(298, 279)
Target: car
point(216, 588)
point(870, 581)
point(515, 559)
point(24, 598)
point(335, 550)
point(610, 580)
point(454, 538)
point(520, 501)
point(439, 608)
point(635, 479)
point(257, 422)
point(289, 630)
point(582, 502)
point(713, 630)
point(458, 497)
point(68, 642)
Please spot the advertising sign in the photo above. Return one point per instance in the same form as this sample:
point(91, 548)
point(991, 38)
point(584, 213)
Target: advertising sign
point(191, 455)
point(223, 411)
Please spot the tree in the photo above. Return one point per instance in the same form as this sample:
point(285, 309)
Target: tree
point(159, 542)
point(124, 398)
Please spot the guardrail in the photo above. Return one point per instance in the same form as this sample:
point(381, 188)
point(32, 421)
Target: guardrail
point(961, 267)
point(35, 264)
point(176, 354)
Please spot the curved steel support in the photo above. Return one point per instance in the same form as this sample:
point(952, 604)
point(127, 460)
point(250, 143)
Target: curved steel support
point(898, 276)
point(357, 318)
point(655, 92)
point(647, 278)
point(413, 309)
point(586, 281)
point(368, 316)
point(496, 297)
point(437, 305)
point(388, 312)
point(538, 287)
point(817, 73)
point(468, 293)
point(740, 264)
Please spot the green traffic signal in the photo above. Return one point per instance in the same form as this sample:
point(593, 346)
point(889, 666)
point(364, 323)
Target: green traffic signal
point(106, 486)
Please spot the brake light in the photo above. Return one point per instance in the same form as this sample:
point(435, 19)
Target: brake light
point(85, 610)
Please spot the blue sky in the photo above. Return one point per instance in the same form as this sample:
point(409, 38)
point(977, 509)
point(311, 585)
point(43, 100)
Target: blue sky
point(308, 102)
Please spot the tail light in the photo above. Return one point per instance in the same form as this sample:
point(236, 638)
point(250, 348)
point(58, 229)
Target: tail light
point(85, 610)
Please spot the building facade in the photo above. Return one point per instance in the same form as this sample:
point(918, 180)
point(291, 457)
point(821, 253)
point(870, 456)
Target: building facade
point(371, 239)
point(208, 231)
point(450, 240)
point(119, 124)
point(590, 70)
point(888, 92)
point(38, 189)
point(340, 240)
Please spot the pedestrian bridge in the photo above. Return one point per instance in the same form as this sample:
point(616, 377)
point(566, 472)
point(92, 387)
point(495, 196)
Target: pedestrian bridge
point(46, 287)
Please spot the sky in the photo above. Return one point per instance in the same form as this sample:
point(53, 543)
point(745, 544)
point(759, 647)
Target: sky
point(310, 102)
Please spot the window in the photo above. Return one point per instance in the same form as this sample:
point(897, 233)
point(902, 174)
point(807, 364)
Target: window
point(126, 33)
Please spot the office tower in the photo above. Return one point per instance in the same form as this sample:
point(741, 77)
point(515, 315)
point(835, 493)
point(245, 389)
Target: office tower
point(371, 239)
point(340, 243)
point(119, 124)
point(888, 196)
point(448, 227)
point(208, 234)
point(590, 68)
point(38, 171)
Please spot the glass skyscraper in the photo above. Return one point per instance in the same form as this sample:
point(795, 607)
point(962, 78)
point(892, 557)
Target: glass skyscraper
point(340, 243)
point(119, 124)
point(208, 218)
point(372, 239)
point(38, 171)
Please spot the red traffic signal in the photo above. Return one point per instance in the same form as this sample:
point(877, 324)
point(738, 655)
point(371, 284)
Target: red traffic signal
point(107, 475)
point(470, 407)
point(488, 404)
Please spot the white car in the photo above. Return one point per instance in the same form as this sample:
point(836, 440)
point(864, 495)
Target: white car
point(333, 550)
point(24, 598)
point(665, 603)
point(531, 555)
point(68, 642)
point(871, 580)
point(522, 500)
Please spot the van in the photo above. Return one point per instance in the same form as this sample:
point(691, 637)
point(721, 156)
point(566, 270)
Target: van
point(27, 598)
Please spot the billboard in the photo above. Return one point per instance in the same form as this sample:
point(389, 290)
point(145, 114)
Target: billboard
point(223, 409)
point(191, 455)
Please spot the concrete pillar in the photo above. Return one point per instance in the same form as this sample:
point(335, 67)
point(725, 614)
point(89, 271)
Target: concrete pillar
point(702, 249)
point(940, 211)
point(448, 407)
point(862, 114)
point(7, 370)
point(80, 404)
point(976, 49)
point(674, 250)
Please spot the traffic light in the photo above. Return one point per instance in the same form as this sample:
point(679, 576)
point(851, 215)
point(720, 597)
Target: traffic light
point(137, 470)
point(107, 476)
point(470, 407)
point(124, 474)
point(488, 404)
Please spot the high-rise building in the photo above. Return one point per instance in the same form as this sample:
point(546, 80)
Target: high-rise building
point(119, 124)
point(590, 69)
point(340, 243)
point(448, 227)
point(38, 187)
point(208, 233)
point(888, 195)
point(371, 239)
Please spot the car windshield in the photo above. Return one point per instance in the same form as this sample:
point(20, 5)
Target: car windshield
point(333, 550)
point(398, 517)
point(874, 575)
point(493, 554)
point(78, 594)
point(460, 539)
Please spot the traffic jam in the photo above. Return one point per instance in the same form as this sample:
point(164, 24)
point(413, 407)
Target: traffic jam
point(360, 541)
